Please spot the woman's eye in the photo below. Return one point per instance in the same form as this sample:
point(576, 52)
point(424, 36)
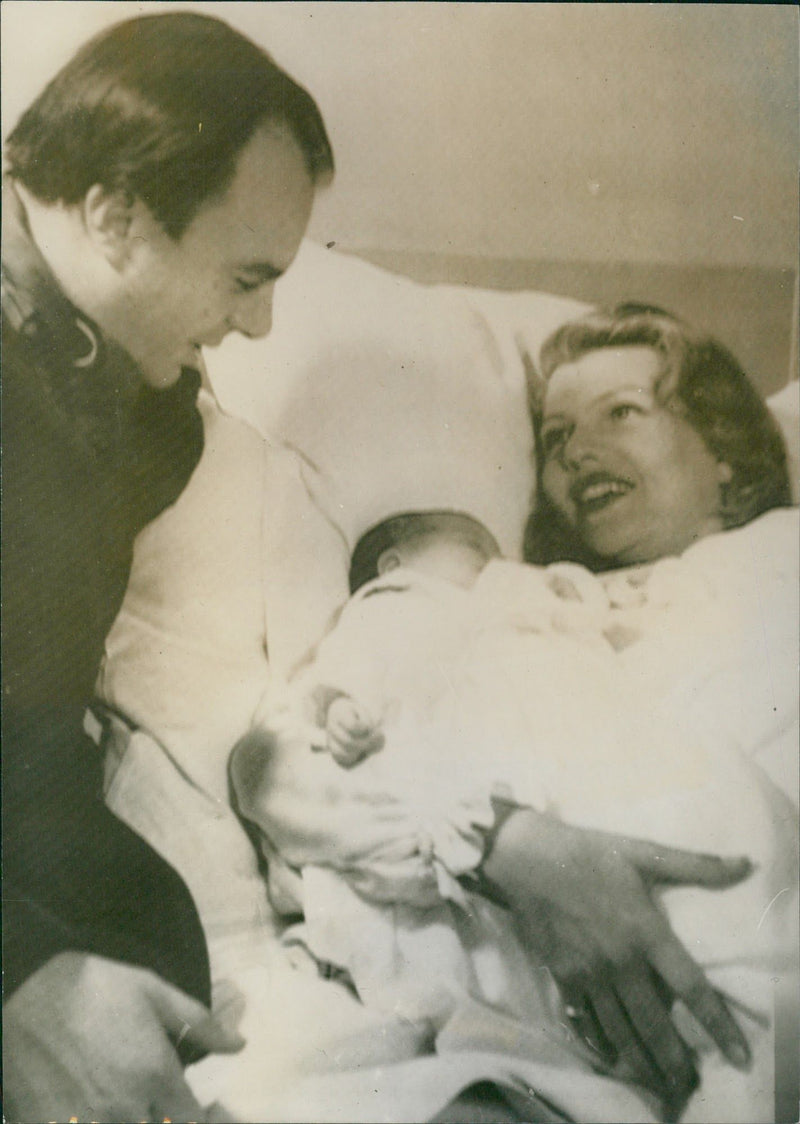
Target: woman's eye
point(623, 411)
point(552, 440)
point(246, 286)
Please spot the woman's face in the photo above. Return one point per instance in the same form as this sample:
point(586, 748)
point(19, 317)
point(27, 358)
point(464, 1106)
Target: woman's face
point(630, 475)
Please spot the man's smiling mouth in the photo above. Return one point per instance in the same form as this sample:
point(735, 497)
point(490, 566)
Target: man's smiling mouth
point(597, 491)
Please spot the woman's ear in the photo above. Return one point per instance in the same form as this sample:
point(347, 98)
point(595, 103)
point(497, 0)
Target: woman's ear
point(107, 217)
point(389, 560)
point(730, 498)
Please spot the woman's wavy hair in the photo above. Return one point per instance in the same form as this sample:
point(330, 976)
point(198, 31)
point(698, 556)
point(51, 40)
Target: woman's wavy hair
point(698, 378)
point(159, 107)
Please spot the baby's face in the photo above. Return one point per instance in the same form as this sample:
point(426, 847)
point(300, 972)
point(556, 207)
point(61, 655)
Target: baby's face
point(452, 559)
point(629, 473)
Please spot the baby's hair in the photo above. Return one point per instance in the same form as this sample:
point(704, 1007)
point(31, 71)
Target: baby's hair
point(415, 526)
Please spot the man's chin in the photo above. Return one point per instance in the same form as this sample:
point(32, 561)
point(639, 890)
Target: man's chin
point(162, 376)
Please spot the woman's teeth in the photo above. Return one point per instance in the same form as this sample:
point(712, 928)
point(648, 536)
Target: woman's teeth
point(600, 491)
point(595, 495)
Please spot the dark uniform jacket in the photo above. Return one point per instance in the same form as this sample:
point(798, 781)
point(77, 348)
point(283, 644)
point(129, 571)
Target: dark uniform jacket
point(90, 455)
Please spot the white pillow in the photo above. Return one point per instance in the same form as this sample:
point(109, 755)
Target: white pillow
point(404, 396)
point(242, 560)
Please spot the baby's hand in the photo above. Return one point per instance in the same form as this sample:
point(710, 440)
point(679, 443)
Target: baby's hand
point(352, 732)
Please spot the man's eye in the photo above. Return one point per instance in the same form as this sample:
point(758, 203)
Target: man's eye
point(244, 285)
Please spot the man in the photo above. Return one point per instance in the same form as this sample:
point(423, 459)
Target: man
point(157, 190)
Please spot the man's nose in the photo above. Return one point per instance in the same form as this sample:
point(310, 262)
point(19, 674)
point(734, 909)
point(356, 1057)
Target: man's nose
point(253, 315)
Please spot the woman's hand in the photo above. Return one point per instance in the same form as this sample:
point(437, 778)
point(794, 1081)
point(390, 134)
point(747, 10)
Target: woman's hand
point(583, 906)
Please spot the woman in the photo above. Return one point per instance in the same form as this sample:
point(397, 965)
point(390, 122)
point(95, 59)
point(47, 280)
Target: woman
point(608, 495)
point(633, 482)
point(626, 397)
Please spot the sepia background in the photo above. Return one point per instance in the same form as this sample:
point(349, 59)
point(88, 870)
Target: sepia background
point(598, 151)
point(595, 150)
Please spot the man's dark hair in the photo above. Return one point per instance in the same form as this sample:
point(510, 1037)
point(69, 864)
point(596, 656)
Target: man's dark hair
point(415, 526)
point(700, 379)
point(160, 107)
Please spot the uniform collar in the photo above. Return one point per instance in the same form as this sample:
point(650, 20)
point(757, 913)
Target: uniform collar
point(37, 309)
point(91, 382)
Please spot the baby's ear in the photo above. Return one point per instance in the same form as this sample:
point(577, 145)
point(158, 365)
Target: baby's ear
point(389, 560)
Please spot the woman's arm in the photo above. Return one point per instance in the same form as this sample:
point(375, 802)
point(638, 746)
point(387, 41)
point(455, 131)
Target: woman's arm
point(581, 899)
point(582, 902)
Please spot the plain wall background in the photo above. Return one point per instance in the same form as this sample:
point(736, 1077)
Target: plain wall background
point(646, 132)
point(575, 147)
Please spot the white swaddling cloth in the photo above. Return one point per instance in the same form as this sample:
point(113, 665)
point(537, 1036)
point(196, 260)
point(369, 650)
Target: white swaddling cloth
point(517, 689)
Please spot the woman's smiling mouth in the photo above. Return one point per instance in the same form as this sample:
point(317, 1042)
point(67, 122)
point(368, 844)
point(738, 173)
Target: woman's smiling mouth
point(597, 491)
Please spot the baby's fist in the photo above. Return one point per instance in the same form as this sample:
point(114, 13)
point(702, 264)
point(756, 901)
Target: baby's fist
point(352, 732)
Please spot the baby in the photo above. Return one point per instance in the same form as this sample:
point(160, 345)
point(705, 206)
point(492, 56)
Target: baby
point(431, 548)
point(479, 680)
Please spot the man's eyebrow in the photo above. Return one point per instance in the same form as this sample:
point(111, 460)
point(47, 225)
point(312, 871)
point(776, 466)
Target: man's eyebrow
point(262, 271)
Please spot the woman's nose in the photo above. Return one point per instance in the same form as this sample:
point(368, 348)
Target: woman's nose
point(577, 449)
point(253, 315)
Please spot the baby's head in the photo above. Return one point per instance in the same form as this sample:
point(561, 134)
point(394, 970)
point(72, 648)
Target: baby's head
point(447, 544)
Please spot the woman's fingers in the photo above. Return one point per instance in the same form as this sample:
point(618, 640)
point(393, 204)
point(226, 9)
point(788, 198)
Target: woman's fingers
point(592, 889)
point(580, 1012)
point(648, 1011)
point(684, 978)
point(633, 1061)
point(687, 981)
point(671, 866)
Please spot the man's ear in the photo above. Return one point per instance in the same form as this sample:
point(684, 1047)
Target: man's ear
point(107, 216)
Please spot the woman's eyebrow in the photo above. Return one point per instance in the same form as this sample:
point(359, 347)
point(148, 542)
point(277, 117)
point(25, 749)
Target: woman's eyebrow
point(626, 390)
point(633, 388)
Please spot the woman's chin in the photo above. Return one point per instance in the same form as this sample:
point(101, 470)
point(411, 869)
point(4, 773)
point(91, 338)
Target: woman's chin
point(608, 543)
